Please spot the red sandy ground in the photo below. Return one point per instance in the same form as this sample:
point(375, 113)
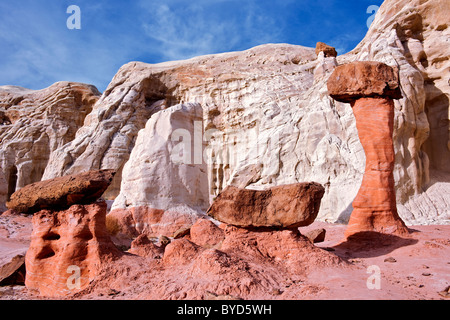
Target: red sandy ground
point(418, 268)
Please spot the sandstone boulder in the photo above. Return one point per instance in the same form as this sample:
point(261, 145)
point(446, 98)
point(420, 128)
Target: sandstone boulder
point(316, 235)
point(328, 51)
point(61, 193)
point(68, 248)
point(287, 206)
point(359, 79)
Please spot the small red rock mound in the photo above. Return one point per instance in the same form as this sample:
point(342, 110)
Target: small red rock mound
point(61, 193)
point(205, 233)
point(68, 248)
point(144, 247)
point(286, 206)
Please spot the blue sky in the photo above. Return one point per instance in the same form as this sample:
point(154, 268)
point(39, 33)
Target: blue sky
point(37, 49)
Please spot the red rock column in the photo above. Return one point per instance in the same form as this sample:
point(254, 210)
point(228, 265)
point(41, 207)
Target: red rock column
point(374, 208)
point(370, 87)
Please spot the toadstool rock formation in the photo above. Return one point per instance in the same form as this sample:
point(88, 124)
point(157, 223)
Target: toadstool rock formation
point(370, 88)
point(69, 242)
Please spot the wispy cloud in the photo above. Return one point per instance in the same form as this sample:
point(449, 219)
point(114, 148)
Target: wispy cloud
point(37, 49)
point(204, 27)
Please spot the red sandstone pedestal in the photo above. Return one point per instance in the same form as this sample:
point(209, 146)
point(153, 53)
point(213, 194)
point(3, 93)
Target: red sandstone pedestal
point(370, 87)
point(374, 207)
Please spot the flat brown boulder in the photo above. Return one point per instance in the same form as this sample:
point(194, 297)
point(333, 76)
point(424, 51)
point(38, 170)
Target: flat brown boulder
point(60, 193)
point(286, 206)
point(359, 79)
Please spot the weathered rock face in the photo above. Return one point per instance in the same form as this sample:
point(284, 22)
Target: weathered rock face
point(36, 123)
point(68, 248)
point(165, 181)
point(288, 206)
point(268, 119)
point(61, 193)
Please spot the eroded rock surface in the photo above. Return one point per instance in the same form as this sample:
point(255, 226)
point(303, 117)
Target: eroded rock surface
point(34, 123)
point(68, 248)
point(165, 181)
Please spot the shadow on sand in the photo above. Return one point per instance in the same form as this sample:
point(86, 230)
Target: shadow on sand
point(371, 244)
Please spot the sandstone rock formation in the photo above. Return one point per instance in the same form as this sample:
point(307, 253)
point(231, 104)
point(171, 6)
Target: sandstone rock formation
point(165, 181)
point(370, 87)
point(34, 123)
point(268, 119)
point(68, 248)
point(352, 81)
point(412, 35)
point(61, 193)
point(246, 261)
point(287, 206)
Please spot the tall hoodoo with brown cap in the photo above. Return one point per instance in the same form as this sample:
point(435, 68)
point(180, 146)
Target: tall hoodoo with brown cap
point(370, 88)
